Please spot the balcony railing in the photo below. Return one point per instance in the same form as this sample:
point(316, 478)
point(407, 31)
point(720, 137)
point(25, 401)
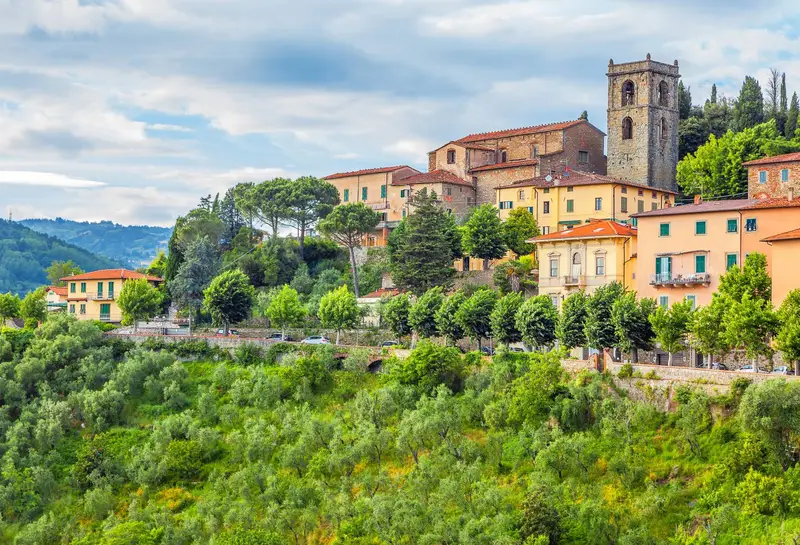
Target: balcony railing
point(574, 280)
point(379, 205)
point(99, 296)
point(668, 279)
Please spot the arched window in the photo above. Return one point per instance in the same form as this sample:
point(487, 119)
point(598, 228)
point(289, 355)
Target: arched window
point(627, 128)
point(663, 94)
point(576, 259)
point(503, 156)
point(628, 93)
point(663, 128)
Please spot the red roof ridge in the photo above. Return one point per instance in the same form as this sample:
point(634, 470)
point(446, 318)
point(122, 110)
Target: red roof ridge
point(112, 274)
point(433, 176)
point(783, 158)
point(590, 230)
point(533, 128)
point(362, 172)
point(576, 177)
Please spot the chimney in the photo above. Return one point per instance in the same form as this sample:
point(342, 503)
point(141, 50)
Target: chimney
point(790, 194)
point(667, 204)
point(557, 181)
point(698, 199)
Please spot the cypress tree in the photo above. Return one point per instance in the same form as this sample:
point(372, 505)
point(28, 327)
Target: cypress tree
point(684, 101)
point(749, 109)
point(714, 94)
point(791, 118)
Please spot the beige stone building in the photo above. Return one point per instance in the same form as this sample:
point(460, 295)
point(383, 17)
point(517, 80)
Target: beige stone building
point(777, 176)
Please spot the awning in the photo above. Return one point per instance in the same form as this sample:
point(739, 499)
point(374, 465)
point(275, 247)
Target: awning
point(569, 222)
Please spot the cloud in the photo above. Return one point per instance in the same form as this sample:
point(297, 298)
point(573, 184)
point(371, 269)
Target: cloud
point(167, 127)
point(348, 155)
point(44, 179)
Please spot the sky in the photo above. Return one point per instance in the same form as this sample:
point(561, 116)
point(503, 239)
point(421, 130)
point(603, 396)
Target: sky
point(132, 110)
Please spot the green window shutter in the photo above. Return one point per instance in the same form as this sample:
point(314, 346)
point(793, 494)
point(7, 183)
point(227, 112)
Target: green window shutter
point(658, 265)
point(733, 226)
point(72, 287)
point(383, 192)
point(664, 230)
point(570, 205)
point(346, 196)
point(699, 263)
point(731, 261)
point(83, 287)
point(700, 228)
point(99, 289)
point(363, 193)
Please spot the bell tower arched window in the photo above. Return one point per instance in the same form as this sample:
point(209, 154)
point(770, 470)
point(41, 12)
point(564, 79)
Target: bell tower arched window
point(628, 93)
point(627, 128)
point(663, 94)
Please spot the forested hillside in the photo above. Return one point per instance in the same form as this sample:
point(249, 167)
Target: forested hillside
point(25, 254)
point(105, 444)
point(131, 245)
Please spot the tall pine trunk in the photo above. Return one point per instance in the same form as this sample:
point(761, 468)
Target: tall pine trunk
point(355, 271)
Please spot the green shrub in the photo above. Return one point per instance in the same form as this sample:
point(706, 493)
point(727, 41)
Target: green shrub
point(248, 354)
point(428, 366)
point(275, 351)
point(626, 371)
point(184, 460)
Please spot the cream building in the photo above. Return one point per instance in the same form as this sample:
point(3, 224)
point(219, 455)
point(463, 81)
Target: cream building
point(93, 295)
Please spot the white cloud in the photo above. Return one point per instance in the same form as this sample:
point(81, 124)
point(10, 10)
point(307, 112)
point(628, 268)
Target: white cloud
point(166, 127)
point(44, 179)
point(414, 150)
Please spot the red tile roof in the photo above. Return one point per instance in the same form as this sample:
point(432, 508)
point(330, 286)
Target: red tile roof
point(433, 177)
point(775, 202)
point(723, 206)
point(577, 177)
point(785, 158)
point(507, 164)
point(61, 291)
point(593, 229)
point(794, 234)
point(521, 131)
point(111, 274)
point(383, 292)
point(366, 171)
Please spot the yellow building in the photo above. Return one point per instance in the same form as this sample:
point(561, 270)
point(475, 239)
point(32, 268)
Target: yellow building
point(56, 297)
point(785, 253)
point(560, 202)
point(586, 257)
point(93, 295)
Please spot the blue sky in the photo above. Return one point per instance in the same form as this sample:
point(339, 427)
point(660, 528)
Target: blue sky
point(131, 110)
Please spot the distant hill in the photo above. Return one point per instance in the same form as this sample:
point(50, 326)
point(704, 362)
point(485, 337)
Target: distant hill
point(132, 246)
point(25, 254)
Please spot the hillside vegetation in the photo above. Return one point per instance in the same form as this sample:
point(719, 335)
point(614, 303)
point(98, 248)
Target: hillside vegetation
point(25, 254)
point(131, 245)
point(106, 444)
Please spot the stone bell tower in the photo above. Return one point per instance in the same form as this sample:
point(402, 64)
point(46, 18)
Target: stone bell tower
point(643, 122)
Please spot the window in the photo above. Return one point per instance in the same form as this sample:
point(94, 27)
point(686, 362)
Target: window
point(700, 263)
point(628, 93)
point(363, 193)
point(554, 299)
point(570, 205)
point(546, 207)
point(750, 225)
point(623, 190)
point(627, 128)
point(545, 229)
point(465, 263)
point(785, 175)
point(451, 156)
point(346, 195)
point(83, 308)
point(654, 195)
point(72, 309)
point(111, 286)
point(404, 214)
point(640, 206)
point(663, 94)
point(474, 179)
point(105, 312)
point(733, 226)
point(762, 176)
point(731, 260)
point(663, 129)
point(521, 195)
point(663, 301)
point(384, 217)
point(693, 300)
point(700, 228)
point(530, 209)
point(469, 201)
point(583, 156)
point(383, 191)
point(641, 193)
point(598, 203)
point(546, 190)
point(553, 268)
point(83, 287)
point(663, 230)
point(663, 269)
point(449, 191)
point(654, 206)
point(506, 205)
point(535, 152)
point(99, 289)
point(623, 205)
point(600, 265)
point(635, 222)
point(72, 287)
point(503, 156)
point(570, 189)
point(403, 193)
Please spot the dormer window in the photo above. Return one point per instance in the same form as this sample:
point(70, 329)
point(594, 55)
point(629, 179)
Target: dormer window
point(451, 157)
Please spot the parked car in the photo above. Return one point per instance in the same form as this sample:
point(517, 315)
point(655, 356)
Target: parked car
point(280, 337)
point(719, 366)
point(231, 333)
point(389, 344)
point(316, 339)
point(516, 349)
point(783, 370)
point(748, 369)
point(487, 351)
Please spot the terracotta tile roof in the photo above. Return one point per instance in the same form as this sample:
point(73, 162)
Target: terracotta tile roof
point(478, 137)
point(785, 158)
point(507, 164)
point(775, 202)
point(111, 274)
point(433, 177)
point(593, 229)
point(366, 171)
point(61, 291)
point(794, 234)
point(723, 206)
point(577, 177)
point(383, 292)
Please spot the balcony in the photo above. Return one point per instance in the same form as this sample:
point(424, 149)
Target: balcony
point(667, 279)
point(378, 205)
point(577, 281)
point(99, 296)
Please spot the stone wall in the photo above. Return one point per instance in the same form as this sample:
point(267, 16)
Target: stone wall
point(774, 187)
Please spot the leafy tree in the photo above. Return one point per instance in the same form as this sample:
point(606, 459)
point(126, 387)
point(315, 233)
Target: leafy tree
point(790, 129)
point(200, 264)
point(9, 307)
point(338, 310)
point(788, 341)
point(285, 309)
point(536, 321)
point(33, 308)
point(749, 109)
point(307, 201)
point(475, 314)
point(752, 279)
point(570, 330)
point(200, 222)
point(706, 329)
point(599, 327)
point(540, 519)
point(684, 101)
point(428, 366)
point(517, 229)
point(230, 215)
point(504, 319)
point(771, 411)
point(158, 265)
point(671, 326)
point(267, 201)
point(228, 298)
point(138, 300)
point(447, 317)
point(749, 325)
point(347, 224)
point(422, 315)
point(422, 248)
point(631, 319)
point(692, 133)
point(483, 236)
point(515, 276)
point(61, 269)
point(174, 254)
point(396, 315)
